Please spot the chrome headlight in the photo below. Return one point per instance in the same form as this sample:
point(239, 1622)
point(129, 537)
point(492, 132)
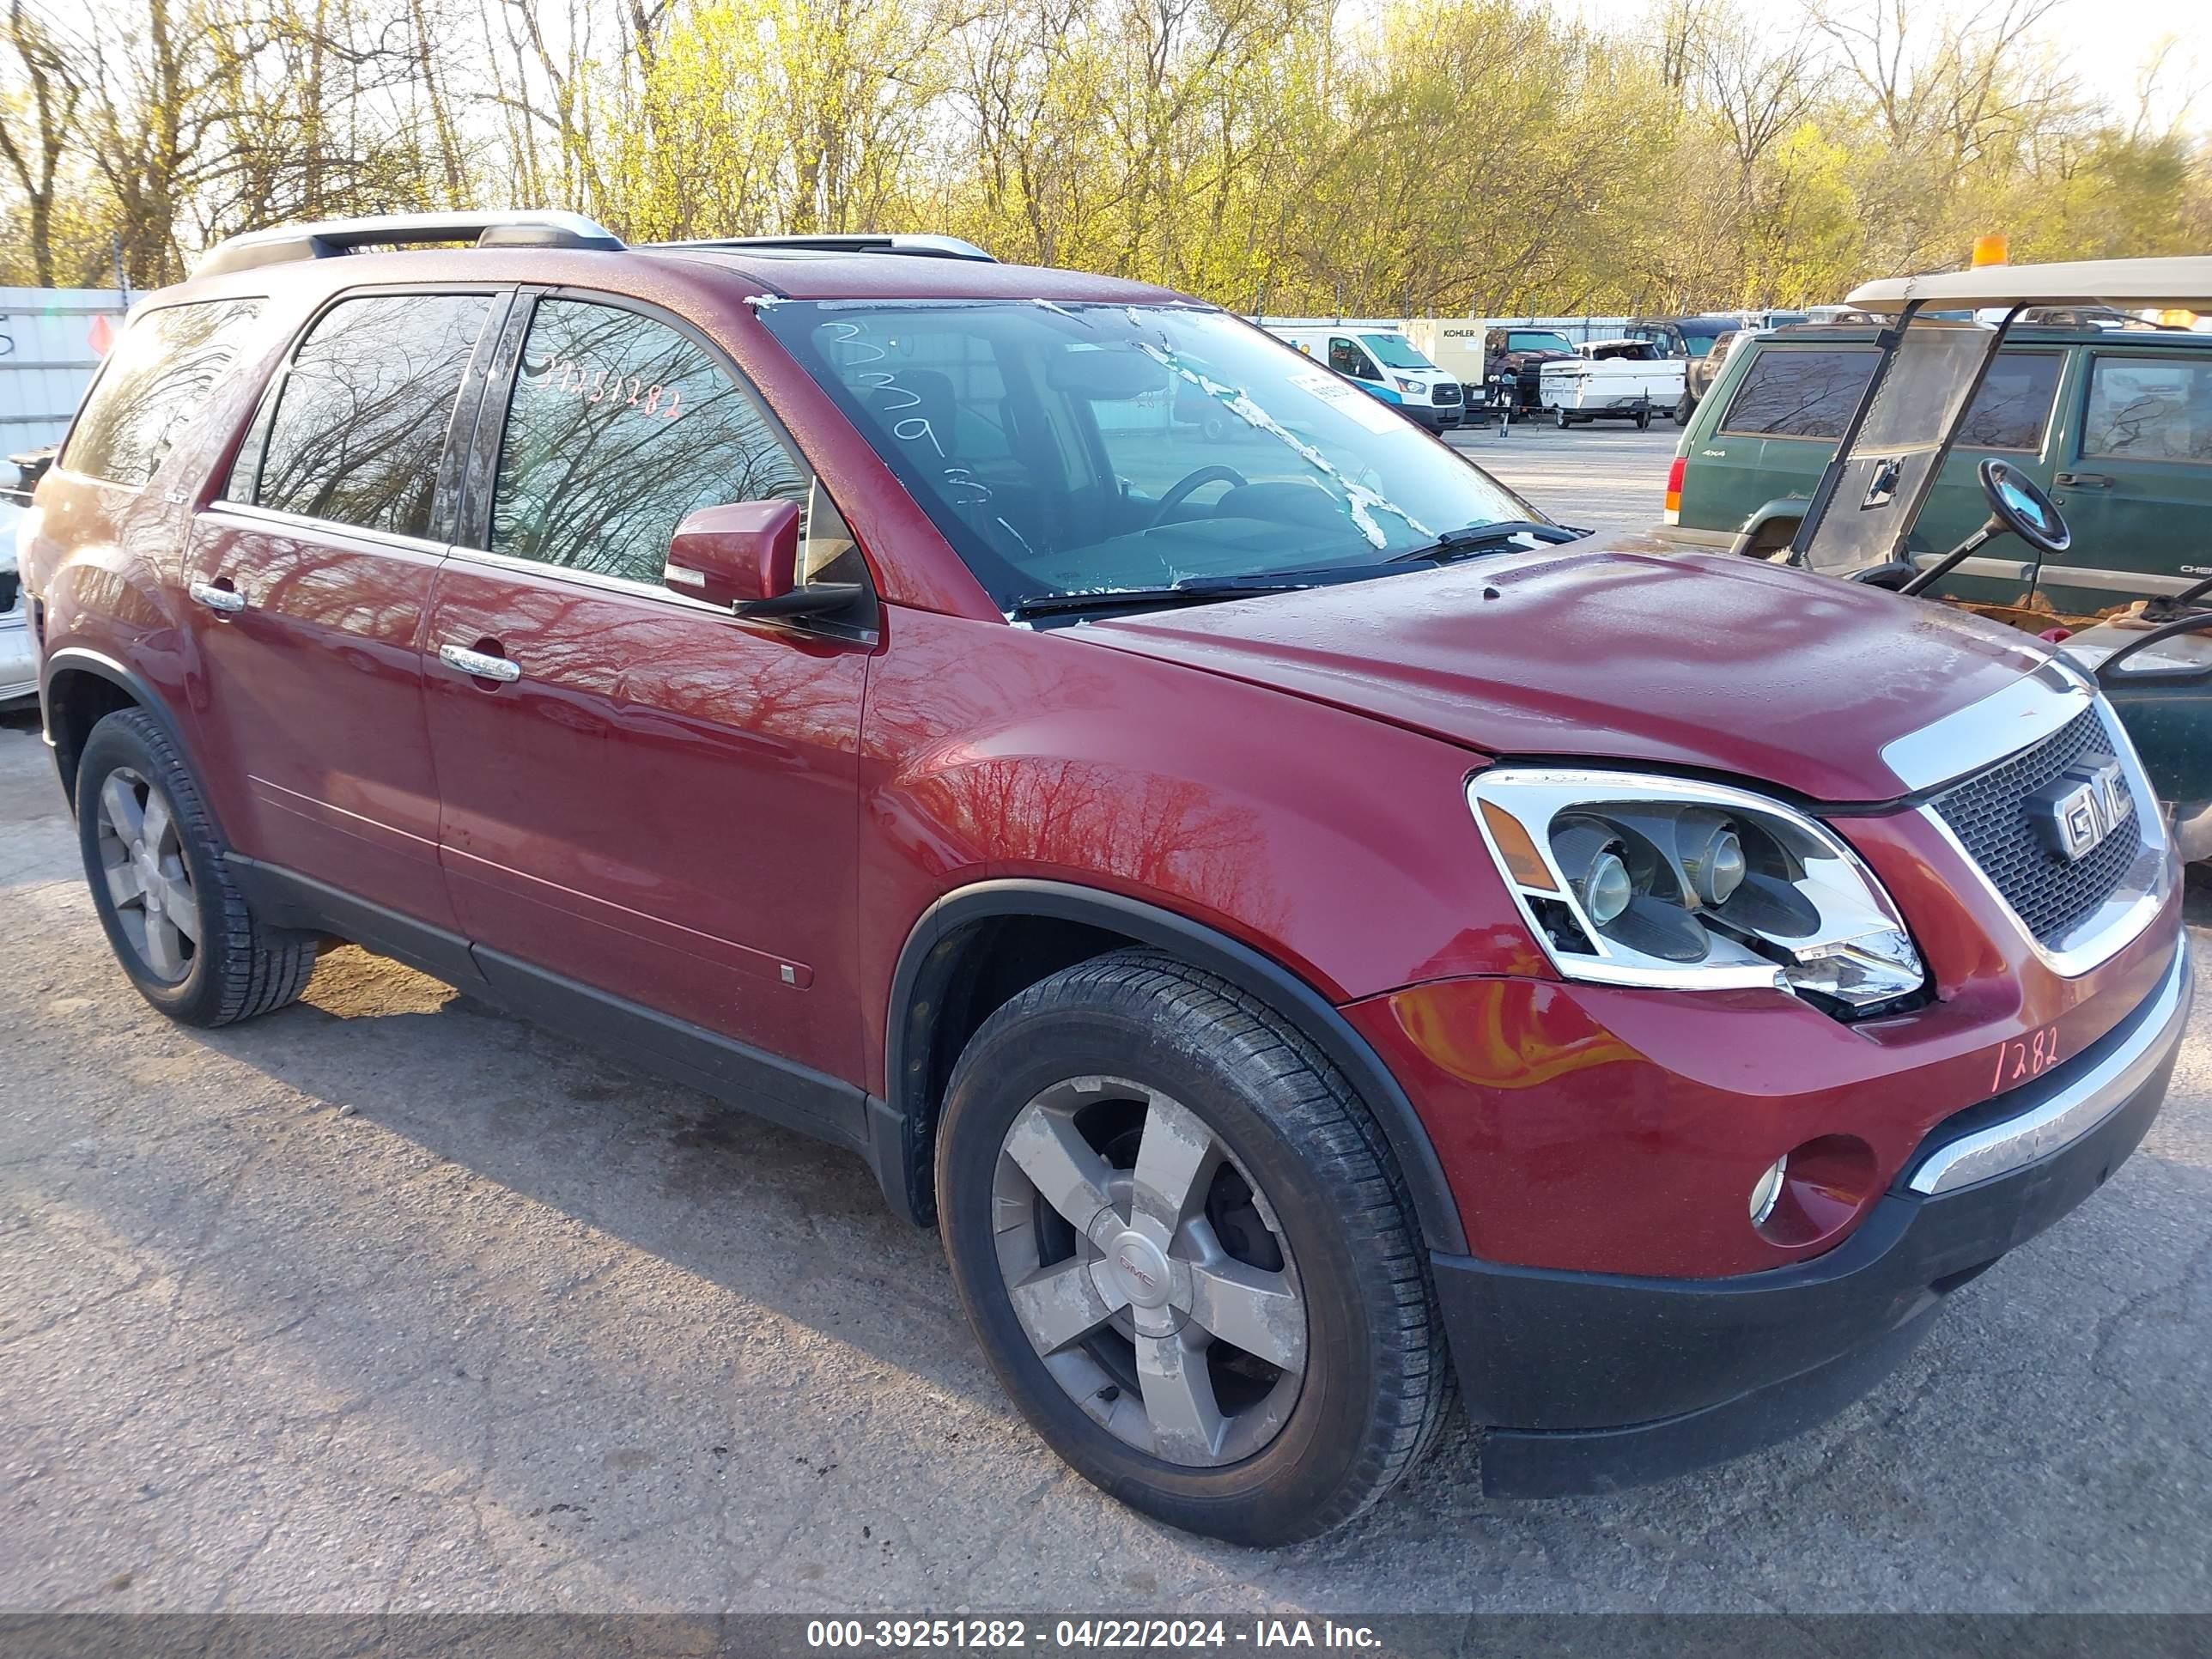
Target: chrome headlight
point(1629, 879)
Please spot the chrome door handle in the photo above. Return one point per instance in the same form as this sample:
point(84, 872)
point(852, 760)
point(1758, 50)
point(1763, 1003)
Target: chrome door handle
point(217, 598)
point(478, 664)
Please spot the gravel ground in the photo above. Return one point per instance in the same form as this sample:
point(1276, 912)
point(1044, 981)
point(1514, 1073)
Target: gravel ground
point(1604, 476)
point(388, 1301)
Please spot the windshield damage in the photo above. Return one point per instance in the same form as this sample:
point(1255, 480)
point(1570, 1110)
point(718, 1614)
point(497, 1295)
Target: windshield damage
point(1155, 453)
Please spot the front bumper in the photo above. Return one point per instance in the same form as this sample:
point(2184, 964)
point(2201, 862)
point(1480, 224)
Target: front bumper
point(1594, 1382)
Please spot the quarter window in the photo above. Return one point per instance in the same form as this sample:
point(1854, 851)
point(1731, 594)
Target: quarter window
point(619, 427)
point(1799, 394)
point(164, 369)
point(2141, 409)
point(361, 414)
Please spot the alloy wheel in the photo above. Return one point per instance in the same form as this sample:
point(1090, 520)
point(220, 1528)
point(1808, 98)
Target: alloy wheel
point(1149, 1271)
point(142, 859)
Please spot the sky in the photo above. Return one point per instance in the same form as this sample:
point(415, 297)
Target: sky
point(2105, 42)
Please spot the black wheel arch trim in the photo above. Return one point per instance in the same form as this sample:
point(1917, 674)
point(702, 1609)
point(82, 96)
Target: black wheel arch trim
point(82, 660)
point(896, 1124)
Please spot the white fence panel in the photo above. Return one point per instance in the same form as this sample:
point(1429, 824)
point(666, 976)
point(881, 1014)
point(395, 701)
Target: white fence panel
point(47, 354)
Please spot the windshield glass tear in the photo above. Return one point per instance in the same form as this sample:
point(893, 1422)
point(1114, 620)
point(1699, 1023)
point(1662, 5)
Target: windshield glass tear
point(1079, 447)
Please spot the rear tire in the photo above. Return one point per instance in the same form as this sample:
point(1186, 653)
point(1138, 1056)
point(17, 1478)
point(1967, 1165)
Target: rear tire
point(1683, 410)
point(175, 920)
point(1133, 1088)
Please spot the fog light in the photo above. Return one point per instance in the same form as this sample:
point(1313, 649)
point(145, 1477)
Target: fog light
point(1767, 1190)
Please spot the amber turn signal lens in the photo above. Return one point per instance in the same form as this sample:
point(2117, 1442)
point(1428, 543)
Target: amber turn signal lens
point(1523, 861)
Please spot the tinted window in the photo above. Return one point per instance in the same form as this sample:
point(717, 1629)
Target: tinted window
point(2013, 406)
point(163, 371)
point(1800, 394)
point(619, 427)
point(1793, 393)
point(360, 415)
point(2145, 409)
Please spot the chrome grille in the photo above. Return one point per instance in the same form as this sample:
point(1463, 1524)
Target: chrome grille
point(1990, 815)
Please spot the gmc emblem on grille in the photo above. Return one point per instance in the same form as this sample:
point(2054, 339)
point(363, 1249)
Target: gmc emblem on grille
point(2089, 801)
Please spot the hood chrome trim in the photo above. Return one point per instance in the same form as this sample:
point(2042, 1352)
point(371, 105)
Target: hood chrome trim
point(1981, 734)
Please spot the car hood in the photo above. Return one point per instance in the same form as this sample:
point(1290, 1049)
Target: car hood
point(1625, 648)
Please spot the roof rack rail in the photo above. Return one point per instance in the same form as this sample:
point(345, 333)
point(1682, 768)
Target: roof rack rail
point(326, 238)
point(920, 246)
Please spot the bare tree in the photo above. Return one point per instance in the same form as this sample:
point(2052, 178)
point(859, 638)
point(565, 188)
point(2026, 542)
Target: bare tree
point(34, 148)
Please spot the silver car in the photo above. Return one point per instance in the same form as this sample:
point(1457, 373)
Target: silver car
point(19, 668)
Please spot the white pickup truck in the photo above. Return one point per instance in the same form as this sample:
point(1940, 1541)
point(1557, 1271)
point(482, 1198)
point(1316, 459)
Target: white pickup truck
point(1611, 380)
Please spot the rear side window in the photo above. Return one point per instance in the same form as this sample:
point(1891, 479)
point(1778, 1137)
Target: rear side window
point(1799, 393)
point(361, 412)
point(2013, 405)
point(163, 371)
point(2145, 409)
point(618, 427)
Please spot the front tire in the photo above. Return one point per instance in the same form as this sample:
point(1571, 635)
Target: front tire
point(1187, 1252)
point(177, 923)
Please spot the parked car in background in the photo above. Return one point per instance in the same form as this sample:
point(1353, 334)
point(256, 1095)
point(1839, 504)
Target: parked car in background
point(1968, 383)
point(1610, 379)
point(2117, 426)
point(1385, 365)
point(1304, 928)
point(19, 669)
point(1518, 357)
point(1694, 341)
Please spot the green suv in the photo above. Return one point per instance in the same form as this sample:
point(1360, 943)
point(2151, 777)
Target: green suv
point(2115, 424)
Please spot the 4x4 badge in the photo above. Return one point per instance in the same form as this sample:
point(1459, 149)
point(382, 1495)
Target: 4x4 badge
point(2087, 802)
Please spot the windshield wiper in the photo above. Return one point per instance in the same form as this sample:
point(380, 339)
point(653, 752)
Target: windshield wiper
point(1464, 544)
point(1201, 592)
point(1192, 590)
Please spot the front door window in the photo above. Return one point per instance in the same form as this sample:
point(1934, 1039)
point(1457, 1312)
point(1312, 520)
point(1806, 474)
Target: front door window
point(1345, 357)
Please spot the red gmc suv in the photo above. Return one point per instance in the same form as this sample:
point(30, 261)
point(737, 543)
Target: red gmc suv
point(1298, 921)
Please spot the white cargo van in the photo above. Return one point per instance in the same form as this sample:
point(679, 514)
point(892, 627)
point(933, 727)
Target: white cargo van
point(1383, 362)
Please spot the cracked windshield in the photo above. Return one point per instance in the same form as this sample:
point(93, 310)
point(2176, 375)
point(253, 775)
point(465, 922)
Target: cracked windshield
point(1091, 449)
